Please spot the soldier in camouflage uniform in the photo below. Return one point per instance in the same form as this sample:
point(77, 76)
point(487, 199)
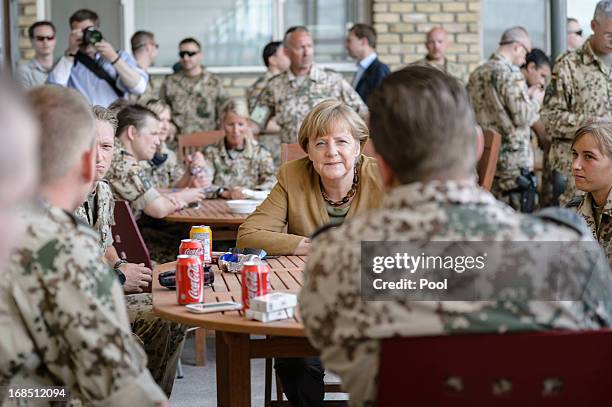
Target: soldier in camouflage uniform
point(276, 62)
point(161, 339)
point(194, 94)
point(580, 89)
point(448, 207)
point(63, 310)
point(292, 94)
point(436, 44)
point(145, 50)
point(503, 103)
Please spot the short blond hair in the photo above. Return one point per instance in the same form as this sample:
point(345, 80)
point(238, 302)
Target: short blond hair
point(68, 128)
point(601, 130)
point(105, 115)
point(237, 106)
point(325, 117)
point(158, 106)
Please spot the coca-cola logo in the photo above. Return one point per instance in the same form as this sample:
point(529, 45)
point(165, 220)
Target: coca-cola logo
point(193, 252)
point(193, 272)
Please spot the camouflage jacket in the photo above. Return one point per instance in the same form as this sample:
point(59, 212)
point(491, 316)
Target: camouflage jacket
point(599, 223)
point(64, 320)
point(289, 101)
point(129, 181)
point(252, 168)
point(164, 170)
point(347, 329)
point(498, 93)
point(450, 68)
point(101, 200)
point(580, 88)
point(195, 101)
point(151, 92)
point(256, 88)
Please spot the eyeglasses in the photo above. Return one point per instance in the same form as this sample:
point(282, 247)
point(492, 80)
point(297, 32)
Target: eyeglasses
point(519, 43)
point(182, 54)
point(579, 32)
point(41, 38)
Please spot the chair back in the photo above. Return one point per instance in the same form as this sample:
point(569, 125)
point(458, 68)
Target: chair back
point(127, 238)
point(560, 368)
point(189, 143)
point(290, 152)
point(488, 162)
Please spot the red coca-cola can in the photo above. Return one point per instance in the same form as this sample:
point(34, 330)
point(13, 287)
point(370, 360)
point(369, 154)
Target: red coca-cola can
point(192, 247)
point(189, 280)
point(255, 281)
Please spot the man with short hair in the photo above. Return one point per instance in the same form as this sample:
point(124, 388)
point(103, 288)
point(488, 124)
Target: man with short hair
point(276, 62)
point(536, 71)
point(574, 34)
point(161, 339)
point(63, 314)
point(194, 94)
point(503, 103)
point(361, 46)
point(292, 94)
point(437, 43)
point(36, 71)
point(145, 50)
point(432, 199)
point(579, 90)
point(93, 67)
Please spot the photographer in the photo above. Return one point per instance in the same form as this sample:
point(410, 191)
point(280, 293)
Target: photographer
point(93, 67)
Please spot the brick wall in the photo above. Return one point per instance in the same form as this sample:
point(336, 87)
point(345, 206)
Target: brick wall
point(402, 27)
point(26, 17)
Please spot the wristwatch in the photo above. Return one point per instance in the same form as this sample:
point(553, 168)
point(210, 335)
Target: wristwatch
point(120, 274)
point(220, 191)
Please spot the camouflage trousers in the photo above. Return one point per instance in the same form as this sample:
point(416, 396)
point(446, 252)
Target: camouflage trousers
point(501, 186)
point(162, 340)
point(559, 158)
point(162, 238)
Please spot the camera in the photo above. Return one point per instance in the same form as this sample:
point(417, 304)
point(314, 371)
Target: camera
point(91, 36)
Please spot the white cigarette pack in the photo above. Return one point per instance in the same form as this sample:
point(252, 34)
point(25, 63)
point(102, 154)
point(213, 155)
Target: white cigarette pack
point(269, 316)
point(273, 302)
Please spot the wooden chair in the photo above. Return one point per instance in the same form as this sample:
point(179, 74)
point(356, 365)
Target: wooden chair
point(560, 368)
point(189, 143)
point(127, 238)
point(488, 161)
point(290, 152)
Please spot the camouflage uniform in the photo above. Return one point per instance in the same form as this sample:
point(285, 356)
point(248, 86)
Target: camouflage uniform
point(580, 88)
point(162, 340)
point(164, 170)
point(151, 92)
point(64, 320)
point(256, 88)
point(450, 68)
point(195, 101)
point(252, 168)
point(129, 181)
point(347, 329)
point(290, 101)
point(599, 220)
point(498, 93)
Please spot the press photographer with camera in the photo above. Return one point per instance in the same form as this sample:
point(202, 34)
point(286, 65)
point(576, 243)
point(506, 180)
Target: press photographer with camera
point(93, 67)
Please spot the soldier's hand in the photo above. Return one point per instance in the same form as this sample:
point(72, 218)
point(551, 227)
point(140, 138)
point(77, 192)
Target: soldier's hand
point(137, 277)
point(536, 93)
point(236, 193)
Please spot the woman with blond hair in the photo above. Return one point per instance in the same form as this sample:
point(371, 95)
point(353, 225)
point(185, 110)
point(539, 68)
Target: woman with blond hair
point(592, 170)
point(237, 161)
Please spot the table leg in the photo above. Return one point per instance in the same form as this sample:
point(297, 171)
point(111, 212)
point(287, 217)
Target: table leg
point(233, 370)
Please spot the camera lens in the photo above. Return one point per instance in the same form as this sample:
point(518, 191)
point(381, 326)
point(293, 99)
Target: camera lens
point(91, 36)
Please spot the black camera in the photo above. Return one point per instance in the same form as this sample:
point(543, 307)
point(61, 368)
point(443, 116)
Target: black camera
point(91, 36)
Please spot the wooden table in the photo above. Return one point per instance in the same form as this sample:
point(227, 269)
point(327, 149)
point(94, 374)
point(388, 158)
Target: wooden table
point(214, 213)
point(234, 346)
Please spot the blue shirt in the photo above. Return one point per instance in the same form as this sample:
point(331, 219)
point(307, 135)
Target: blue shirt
point(362, 66)
point(95, 89)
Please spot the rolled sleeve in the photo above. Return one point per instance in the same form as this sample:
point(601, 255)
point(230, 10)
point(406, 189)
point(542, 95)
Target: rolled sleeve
point(141, 86)
point(145, 200)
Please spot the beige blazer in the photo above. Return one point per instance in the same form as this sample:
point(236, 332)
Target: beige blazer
point(296, 201)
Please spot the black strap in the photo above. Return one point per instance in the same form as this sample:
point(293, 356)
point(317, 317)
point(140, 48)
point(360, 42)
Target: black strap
point(98, 71)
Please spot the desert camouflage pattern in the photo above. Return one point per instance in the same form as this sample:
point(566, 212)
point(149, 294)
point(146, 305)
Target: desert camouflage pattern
point(195, 101)
point(151, 92)
point(599, 220)
point(252, 168)
point(256, 88)
point(164, 171)
point(289, 101)
point(498, 93)
point(64, 321)
point(580, 89)
point(103, 215)
point(129, 180)
point(449, 68)
point(347, 330)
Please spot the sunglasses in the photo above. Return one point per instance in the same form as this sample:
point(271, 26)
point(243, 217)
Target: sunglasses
point(41, 38)
point(182, 54)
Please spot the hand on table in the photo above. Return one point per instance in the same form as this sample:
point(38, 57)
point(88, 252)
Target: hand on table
point(303, 247)
point(137, 277)
point(234, 193)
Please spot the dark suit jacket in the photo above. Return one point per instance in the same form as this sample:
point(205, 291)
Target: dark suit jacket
point(371, 78)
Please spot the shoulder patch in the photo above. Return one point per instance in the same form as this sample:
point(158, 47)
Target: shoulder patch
point(575, 201)
point(322, 230)
point(564, 217)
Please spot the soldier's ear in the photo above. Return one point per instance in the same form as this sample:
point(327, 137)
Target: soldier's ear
point(480, 143)
point(88, 165)
point(132, 132)
point(386, 172)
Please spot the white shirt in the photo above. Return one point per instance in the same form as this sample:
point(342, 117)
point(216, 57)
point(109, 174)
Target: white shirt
point(362, 66)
